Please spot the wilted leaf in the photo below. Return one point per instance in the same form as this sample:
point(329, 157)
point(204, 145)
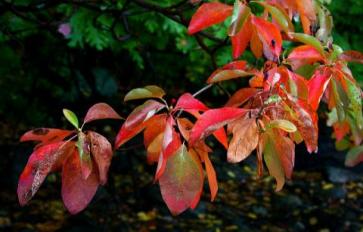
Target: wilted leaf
point(244, 141)
point(182, 181)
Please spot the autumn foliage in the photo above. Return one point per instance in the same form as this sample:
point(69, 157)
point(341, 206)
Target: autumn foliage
point(267, 118)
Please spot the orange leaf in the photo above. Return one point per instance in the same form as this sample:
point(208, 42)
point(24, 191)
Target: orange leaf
point(270, 37)
point(244, 141)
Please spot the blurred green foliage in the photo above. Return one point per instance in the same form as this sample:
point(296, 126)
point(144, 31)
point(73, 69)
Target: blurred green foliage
point(113, 46)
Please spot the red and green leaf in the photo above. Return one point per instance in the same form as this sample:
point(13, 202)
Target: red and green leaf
point(182, 181)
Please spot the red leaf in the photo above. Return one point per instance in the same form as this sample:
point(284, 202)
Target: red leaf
point(207, 15)
point(77, 193)
point(241, 96)
point(296, 85)
point(270, 36)
point(125, 134)
point(303, 55)
point(317, 86)
point(142, 113)
point(221, 136)
point(182, 182)
point(45, 135)
point(352, 56)
point(241, 39)
point(212, 120)
point(188, 102)
point(101, 111)
point(134, 123)
point(171, 143)
point(41, 162)
point(101, 150)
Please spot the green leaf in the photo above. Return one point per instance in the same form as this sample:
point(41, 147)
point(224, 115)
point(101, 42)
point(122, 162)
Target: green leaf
point(273, 163)
point(283, 125)
point(83, 145)
point(150, 91)
point(71, 117)
point(239, 16)
point(354, 94)
point(280, 17)
point(310, 40)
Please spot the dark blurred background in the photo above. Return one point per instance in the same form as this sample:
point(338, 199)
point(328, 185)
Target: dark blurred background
point(73, 54)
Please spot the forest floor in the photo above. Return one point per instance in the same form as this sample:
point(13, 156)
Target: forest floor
point(319, 198)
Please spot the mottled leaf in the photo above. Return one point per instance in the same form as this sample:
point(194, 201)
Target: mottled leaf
point(182, 181)
point(41, 162)
point(101, 150)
